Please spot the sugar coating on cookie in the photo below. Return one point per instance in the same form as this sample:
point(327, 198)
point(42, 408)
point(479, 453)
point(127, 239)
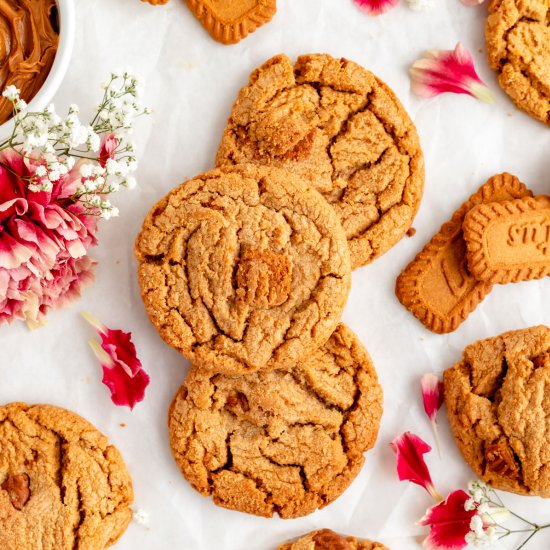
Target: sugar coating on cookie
point(285, 441)
point(62, 486)
point(326, 539)
point(344, 131)
point(498, 407)
point(518, 46)
point(243, 268)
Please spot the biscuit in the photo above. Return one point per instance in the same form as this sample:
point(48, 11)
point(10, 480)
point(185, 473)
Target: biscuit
point(498, 407)
point(243, 268)
point(62, 486)
point(229, 22)
point(284, 441)
point(509, 241)
point(344, 131)
point(325, 539)
point(436, 287)
point(518, 46)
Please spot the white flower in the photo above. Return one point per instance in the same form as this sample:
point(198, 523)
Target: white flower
point(93, 141)
point(35, 188)
point(70, 162)
point(54, 175)
point(73, 109)
point(46, 185)
point(95, 201)
point(141, 517)
point(12, 93)
point(420, 5)
point(41, 171)
point(21, 105)
point(78, 136)
point(470, 505)
point(86, 170)
point(130, 182)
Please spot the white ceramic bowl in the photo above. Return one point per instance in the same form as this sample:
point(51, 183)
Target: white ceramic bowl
point(60, 65)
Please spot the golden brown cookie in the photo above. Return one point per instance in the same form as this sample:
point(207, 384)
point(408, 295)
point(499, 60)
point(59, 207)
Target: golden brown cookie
point(509, 241)
point(518, 46)
point(436, 287)
point(156, 2)
point(325, 539)
point(345, 132)
point(498, 407)
point(284, 441)
point(62, 486)
point(243, 268)
point(229, 22)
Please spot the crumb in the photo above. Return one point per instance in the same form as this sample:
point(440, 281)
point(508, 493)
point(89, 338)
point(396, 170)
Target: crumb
point(117, 262)
point(142, 517)
point(480, 50)
point(122, 425)
point(411, 232)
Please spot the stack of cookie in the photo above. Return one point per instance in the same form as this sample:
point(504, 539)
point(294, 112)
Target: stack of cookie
point(501, 234)
point(246, 270)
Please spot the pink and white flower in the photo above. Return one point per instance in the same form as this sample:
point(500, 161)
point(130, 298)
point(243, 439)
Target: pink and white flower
point(376, 7)
point(44, 238)
point(123, 373)
point(453, 71)
point(409, 449)
point(432, 396)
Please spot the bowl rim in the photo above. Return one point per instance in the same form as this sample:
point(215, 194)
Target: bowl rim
point(60, 65)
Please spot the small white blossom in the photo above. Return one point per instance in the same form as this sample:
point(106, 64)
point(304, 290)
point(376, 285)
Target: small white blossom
point(11, 92)
point(470, 505)
point(35, 188)
point(86, 170)
point(41, 171)
point(54, 175)
point(130, 182)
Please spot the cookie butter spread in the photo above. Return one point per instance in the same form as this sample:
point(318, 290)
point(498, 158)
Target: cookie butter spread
point(29, 36)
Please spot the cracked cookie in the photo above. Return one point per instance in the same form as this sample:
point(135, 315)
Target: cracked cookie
point(284, 441)
point(498, 407)
point(343, 130)
point(243, 268)
point(62, 486)
point(518, 46)
point(325, 539)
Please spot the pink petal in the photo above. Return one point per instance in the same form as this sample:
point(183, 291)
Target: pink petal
point(410, 449)
point(449, 523)
point(12, 253)
point(108, 147)
point(123, 373)
point(432, 394)
point(472, 2)
point(376, 7)
point(448, 71)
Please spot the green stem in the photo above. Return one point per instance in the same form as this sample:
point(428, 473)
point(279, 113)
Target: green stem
point(527, 539)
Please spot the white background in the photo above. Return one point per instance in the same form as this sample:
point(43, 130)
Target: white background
point(191, 83)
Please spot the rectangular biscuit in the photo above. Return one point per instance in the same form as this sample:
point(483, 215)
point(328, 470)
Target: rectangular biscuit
point(509, 241)
point(436, 287)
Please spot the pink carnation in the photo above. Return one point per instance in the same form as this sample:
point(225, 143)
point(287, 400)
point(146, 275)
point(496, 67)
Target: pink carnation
point(44, 239)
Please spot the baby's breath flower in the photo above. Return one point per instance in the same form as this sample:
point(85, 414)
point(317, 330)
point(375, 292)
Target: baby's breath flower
point(41, 171)
point(11, 92)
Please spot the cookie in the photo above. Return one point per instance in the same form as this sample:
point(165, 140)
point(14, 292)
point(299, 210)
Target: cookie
point(243, 268)
point(436, 287)
point(325, 539)
point(230, 22)
point(156, 2)
point(344, 131)
point(509, 241)
point(518, 47)
point(284, 441)
point(62, 486)
point(498, 407)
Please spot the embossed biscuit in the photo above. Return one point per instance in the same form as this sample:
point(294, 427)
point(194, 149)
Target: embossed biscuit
point(436, 286)
point(326, 539)
point(498, 408)
point(243, 268)
point(509, 241)
point(229, 22)
point(284, 441)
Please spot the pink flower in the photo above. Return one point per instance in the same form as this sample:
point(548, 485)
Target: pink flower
point(409, 449)
point(44, 239)
point(376, 7)
point(122, 370)
point(449, 523)
point(107, 149)
point(448, 71)
point(432, 395)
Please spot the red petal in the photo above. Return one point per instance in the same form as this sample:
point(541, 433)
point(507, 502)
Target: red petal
point(432, 394)
point(125, 391)
point(409, 449)
point(449, 523)
point(108, 147)
point(376, 7)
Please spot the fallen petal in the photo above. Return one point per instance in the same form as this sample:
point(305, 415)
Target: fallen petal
point(453, 71)
point(409, 449)
point(376, 7)
point(432, 394)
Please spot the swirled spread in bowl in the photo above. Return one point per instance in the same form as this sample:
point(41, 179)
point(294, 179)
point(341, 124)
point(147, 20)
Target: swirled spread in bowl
point(29, 36)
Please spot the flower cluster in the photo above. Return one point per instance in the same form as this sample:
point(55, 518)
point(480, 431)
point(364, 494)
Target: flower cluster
point(56, 178)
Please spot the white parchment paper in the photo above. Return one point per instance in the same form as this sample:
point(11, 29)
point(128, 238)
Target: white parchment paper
point(191, 83)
